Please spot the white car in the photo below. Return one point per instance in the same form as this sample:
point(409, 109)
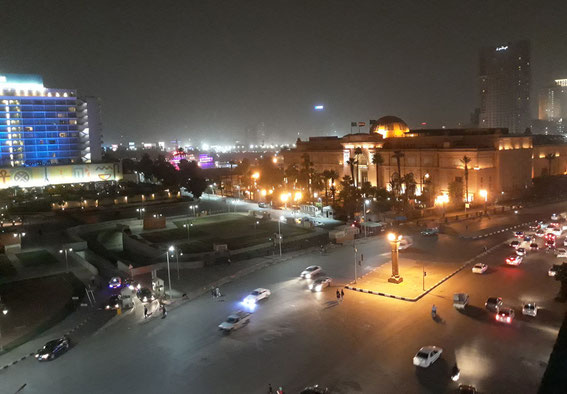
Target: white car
point(320, 283)
point(479, 268)
point(529, 309)
point(235, 320)
point(514, 260)
point(257, 295)
point(311, 272)
point(426, 356)
point(561, 253)
point(554, 217)
point(521, 251)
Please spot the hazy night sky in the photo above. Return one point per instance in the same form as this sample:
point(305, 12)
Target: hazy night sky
point(207, 70)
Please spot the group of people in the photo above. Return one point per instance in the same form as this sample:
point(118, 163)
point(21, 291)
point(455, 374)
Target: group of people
point(340, 295)
point(215, 292)
point(161, 307)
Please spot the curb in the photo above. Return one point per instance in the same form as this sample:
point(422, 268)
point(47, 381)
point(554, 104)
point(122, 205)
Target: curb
point(497, 231)
point(75, 328)
point(465, 264)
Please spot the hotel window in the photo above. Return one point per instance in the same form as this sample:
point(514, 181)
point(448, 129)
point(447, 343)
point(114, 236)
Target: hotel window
point(28, 128)
point(72, 121)
point(62, 134)
point(72, 109)
point(61, 115)
point(51, 142)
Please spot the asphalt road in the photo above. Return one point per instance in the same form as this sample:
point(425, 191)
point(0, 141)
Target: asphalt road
point(297, 338)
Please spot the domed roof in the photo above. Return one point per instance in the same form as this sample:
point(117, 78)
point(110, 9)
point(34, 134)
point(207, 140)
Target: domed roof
point(390, 126)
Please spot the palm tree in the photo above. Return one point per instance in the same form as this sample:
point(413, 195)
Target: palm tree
point(377, 160)
point(333, 175)
point(351, 163)
point(466, 160)
point(549, 157)
point(410, 185)
point(291, 173)
point(398, 154)
point(326, 175)
point(307, 171)
point(357, 153)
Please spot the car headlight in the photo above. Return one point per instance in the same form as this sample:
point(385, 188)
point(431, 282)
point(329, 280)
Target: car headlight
point(311, 286)
point(319, 287)
point(107, 307)
point(44, 356)
point(308, 276)
point(145, 299)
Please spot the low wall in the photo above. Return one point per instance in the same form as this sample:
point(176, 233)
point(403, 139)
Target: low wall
point(77, 258)
point(138, 246)
point(163, 265)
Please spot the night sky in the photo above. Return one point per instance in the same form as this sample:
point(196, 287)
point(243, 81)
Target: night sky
point(207, 70)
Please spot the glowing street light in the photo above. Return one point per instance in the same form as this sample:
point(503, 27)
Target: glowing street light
point(170, 249)
point(66, 251)
point(395, 240)
point(297, 196)
point(484, 194)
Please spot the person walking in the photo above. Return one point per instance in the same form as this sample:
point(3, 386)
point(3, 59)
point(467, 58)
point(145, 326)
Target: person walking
point(338, 296)
point(145, 311)
point(213, 292)
point(342, 295)
point(270, 390)
point(163, 312)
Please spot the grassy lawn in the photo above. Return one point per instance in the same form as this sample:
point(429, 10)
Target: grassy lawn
point(37, 258)
point(6, 268)
point(237, 231)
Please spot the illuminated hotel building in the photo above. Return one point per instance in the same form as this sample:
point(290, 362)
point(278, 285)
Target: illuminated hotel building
point(552, 105)
point(44, 126)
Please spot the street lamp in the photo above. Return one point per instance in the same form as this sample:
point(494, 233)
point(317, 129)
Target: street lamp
point(170, 249)
point(282, 218)
point(188, 226)
point(140, 212)
point(19, 235)
point(394, 241)
point(66, 251)
point(366, 202)
point(284, 197)
point(194, 207)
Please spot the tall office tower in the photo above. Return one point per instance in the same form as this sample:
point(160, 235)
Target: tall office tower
point(505, 80)
point(552, 105)
point(39, 125)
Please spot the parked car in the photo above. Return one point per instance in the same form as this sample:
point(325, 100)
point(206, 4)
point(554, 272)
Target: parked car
point(529, 309)
point(113, 302)
point(53, 349)
point(493, 304)
point(426, 356)
point(430, 231)
point(505, 315)
point(115, 282)
point(479, 268)
point(145, 295)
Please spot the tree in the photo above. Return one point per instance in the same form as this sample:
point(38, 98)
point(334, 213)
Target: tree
point(357, 154)
point(326, 175)
point(398, 154)
point(291, 174)
point(377, 160)
point(396, 184)
point(146, 166)
point(410, 185)
point(332, 176)
point(306, 173)
point(466, 160)
point(456, 191)
point(549, 157)
point(351, 163)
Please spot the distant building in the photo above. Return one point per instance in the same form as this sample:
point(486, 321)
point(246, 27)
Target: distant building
point(501, 163)
point(90, 125)
point(552, 106)
point(505, 79)
point(256, 135)
point(43, 126)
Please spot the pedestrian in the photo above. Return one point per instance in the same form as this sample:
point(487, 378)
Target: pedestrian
point(163, 312)
point(270, 390)
point(338, 296)
point(217, 291)
point(145, 311)
point(342, 294)
point(485, 249)
point(213, 292)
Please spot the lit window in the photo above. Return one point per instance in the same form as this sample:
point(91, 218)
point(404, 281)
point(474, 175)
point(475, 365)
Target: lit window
point(62, 134)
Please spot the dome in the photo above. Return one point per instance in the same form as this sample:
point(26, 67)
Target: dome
point(389, 127)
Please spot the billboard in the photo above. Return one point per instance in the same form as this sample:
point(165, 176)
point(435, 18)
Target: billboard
point(55, 175)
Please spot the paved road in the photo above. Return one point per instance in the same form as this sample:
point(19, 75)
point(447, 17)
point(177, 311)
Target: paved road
point(363, 345)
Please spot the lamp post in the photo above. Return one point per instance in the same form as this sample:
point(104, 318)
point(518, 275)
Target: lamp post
point(170, 249)
point(284, 197)
point(484, 194)
point(140, 212)
point(177, 254)
point(188, 225)
point(194, 207)
point(19, 235)
point(282, 218)
point(4, 313)
point(366, 202)
point(394, 245)
point(66, 251)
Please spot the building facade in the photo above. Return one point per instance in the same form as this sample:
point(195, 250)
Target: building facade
point(42, 126)
point(501, 164)
point(505, 79)
point(552, 106)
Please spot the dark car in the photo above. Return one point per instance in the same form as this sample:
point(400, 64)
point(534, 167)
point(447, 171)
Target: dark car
point(145, 295)
point(534, 246)
point(493, 304)
point(53, 349)
point(113, 303)
point(515, 244)
point(314, 390)
point(467, 389)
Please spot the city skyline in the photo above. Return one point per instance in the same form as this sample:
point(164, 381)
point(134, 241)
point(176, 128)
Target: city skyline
point(274, 64)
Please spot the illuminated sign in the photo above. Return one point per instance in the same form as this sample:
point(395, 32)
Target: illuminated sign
point(319, 107)
point(55, 175)
point(502, 48)
point(21, 81)
point(206, 161)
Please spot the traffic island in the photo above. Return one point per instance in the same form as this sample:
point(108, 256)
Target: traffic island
point(414, 283)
